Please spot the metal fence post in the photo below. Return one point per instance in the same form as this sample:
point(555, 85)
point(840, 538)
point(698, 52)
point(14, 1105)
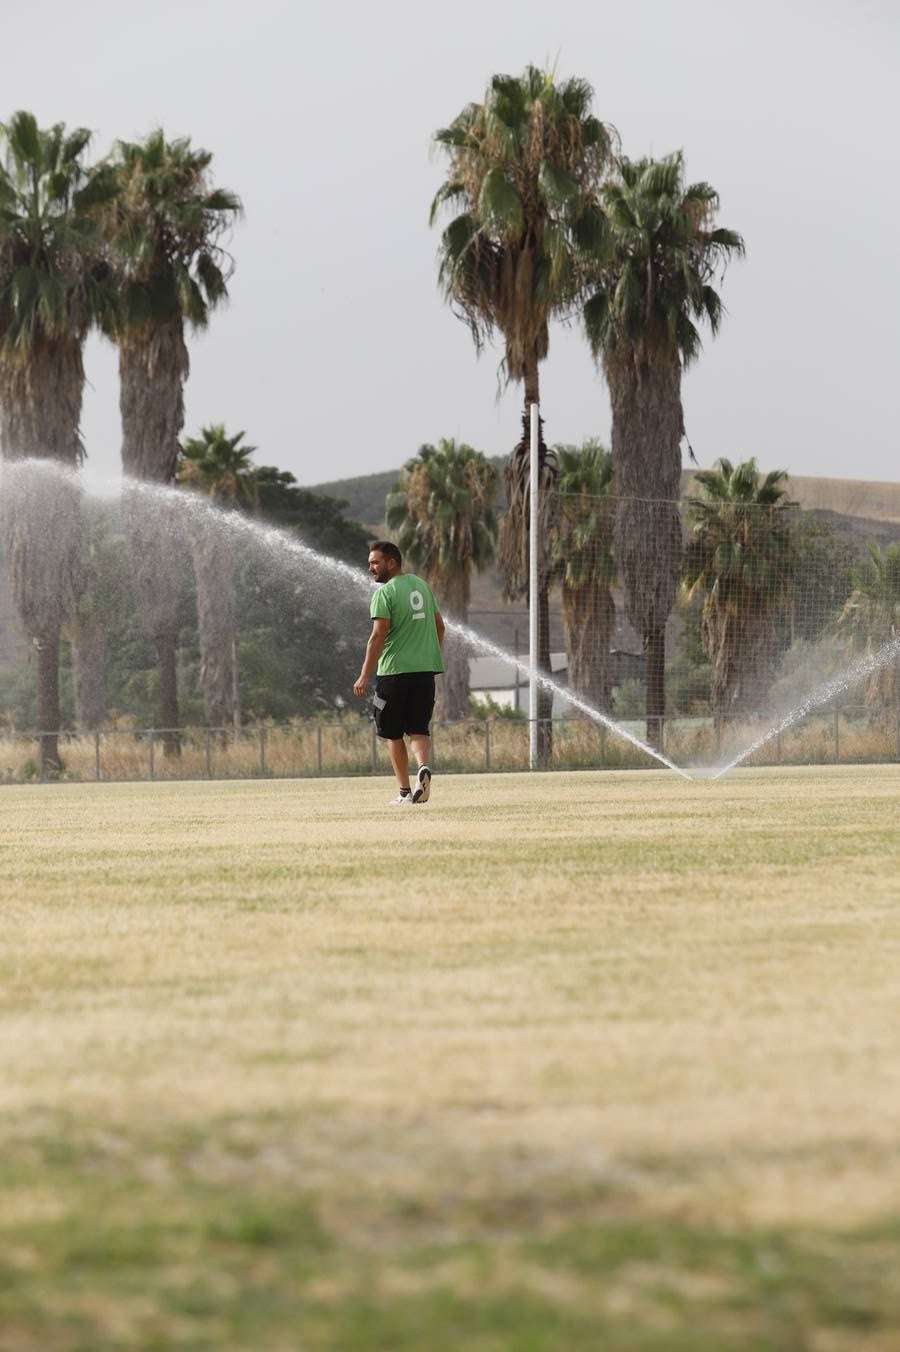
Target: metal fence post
point(152, 753)
point(837, 736)
point(209, 753)
point(602, 744)
point(262, 750)
point(487, 744)
point(318, 748)
point(97, 755)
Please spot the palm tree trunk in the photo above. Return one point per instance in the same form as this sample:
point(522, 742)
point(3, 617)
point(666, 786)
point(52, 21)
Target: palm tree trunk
point(40, 507)
point(48, 716)
point(655, 677)
point(158, 553)
point(589, 616)
point(88, 640)
point(453, 687)
point(514, 544)
point(153, 366)
point(646, 440)
point(166, 647)
point(216, 607)
point(741, 649)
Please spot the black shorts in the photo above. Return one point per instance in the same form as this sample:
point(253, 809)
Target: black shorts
point(404, 704)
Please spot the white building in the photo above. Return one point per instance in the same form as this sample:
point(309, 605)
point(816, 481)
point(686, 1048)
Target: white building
point(507, 684)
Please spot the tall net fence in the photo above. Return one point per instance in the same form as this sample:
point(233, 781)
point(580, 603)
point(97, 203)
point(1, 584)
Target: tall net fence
point(778, 625)
point(774, 615)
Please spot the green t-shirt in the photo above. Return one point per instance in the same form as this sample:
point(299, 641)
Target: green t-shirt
point(412, 641)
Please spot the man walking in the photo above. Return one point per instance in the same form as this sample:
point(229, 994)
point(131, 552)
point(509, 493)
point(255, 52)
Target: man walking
point(404, 654)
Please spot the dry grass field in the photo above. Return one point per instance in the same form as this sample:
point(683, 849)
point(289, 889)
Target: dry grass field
point(572, 1062)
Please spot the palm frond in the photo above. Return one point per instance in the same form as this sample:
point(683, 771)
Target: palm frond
point(527, 165)
point(499, 205)
point(558, 186)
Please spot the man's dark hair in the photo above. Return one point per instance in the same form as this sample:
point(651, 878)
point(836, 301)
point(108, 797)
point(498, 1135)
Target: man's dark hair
point(388, 550)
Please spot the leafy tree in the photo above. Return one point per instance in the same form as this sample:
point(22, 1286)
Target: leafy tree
point(823, 576)
point(54, 284)
point(165, 229)
point(525, 166)
point(301, 625)
point(739, 558)
point(654, 279)
point(689, 673)
point(441, 512)
point(870, 621)
point(315, 517)
point(220, 468)
point(582, 552)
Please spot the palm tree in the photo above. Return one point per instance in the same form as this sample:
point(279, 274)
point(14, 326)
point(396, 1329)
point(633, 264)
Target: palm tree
point(871, 619)
point(524, 170)
point(219, 467)
point(653, 281)
point(54, 284)
point(166, 228)
point(582, 551)
point(442, 512)
point(740, 559)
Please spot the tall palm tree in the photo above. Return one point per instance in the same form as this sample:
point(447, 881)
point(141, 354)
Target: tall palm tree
point(871, 618)
point(442, 512)
point(525, 166)
point(54, 284)
point(166, 228)
point(740, 559)
point(654, 280)
point(219, 467)
point(582, 552)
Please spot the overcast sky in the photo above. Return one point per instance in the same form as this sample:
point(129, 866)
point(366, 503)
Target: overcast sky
point(336, 353)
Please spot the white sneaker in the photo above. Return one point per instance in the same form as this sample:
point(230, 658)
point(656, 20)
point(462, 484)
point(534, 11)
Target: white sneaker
point(402, 800)
point(422, 791)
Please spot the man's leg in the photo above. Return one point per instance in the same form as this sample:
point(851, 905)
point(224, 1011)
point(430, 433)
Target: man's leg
point(399, 760)
point(421, 745)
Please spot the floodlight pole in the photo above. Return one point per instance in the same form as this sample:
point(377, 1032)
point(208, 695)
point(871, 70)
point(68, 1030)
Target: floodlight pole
point(533, 584)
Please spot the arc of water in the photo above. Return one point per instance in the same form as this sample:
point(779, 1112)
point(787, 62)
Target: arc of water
point(362, 581)
point(477, 640)
point(192, 505)
point(863, 667)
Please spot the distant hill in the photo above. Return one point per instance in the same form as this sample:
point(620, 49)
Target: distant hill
point(365, 495)
point(878, 502)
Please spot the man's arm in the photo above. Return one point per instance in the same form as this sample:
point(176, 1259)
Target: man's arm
point(374, 649)
point(439, 626)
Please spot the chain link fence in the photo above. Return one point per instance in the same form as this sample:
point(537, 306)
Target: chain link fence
point(351, 747)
